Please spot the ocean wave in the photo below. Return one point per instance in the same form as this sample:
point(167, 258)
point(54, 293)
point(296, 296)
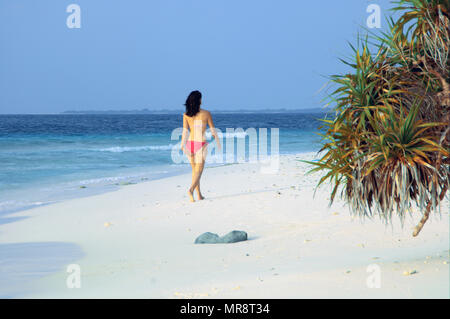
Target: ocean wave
point(10, 206)
point(113, 179)
point(228, 135)
point(121, 149)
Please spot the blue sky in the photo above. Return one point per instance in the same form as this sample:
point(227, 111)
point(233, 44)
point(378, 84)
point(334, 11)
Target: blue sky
point(151, 53)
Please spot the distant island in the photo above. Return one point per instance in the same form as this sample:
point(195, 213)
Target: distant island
point(172, 111)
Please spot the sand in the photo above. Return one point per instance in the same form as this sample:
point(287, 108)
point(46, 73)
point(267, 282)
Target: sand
point(138, 242)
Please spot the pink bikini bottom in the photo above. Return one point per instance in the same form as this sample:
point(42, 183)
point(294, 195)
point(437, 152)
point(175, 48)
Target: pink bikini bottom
point(193, 146)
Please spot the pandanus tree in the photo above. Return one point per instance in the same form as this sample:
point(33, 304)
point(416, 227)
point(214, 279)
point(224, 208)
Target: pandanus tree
point(387, 148)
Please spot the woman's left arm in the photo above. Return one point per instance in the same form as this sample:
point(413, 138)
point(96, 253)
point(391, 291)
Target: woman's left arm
point(185, 132)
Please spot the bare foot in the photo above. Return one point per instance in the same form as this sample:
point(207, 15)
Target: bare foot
point(191, 196)
point(200, 197)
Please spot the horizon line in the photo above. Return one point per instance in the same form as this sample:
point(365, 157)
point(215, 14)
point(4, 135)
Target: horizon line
point(171, 111)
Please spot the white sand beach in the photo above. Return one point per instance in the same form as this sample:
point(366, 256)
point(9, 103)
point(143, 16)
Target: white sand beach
point(138, 242)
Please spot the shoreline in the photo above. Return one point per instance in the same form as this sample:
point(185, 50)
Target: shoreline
point(74, 189)
point(78, 188)
point(138, 242)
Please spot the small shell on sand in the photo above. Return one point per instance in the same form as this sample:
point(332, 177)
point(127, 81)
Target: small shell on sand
point(107, 224)
point(335, 213)
point(409, 272)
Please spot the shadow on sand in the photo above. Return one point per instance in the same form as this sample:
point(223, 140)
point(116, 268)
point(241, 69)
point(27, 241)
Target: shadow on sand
point(22, 263)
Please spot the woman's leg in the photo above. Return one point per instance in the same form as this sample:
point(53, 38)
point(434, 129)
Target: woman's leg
point(199, 170)
point(194, 169)
point(192, 161)
point(198, 165)
point(197, 175)
point(199, 193)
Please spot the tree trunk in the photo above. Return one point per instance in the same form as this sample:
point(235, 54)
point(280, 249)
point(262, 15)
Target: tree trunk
point(422, 222)
point(425, 216)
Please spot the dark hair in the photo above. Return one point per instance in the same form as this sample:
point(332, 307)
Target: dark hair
point(193, 102)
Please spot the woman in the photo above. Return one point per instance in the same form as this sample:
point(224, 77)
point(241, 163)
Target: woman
point(194, 123)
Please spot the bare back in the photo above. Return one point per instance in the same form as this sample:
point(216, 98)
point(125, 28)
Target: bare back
point(197, 125)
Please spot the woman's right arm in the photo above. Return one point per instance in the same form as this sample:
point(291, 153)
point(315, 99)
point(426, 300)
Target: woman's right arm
point(213, 130)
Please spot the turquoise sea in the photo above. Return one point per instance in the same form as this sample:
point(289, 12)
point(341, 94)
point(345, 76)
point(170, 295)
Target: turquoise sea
point(48, 158)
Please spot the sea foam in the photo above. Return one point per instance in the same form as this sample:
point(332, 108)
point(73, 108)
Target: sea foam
point(121, 149)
